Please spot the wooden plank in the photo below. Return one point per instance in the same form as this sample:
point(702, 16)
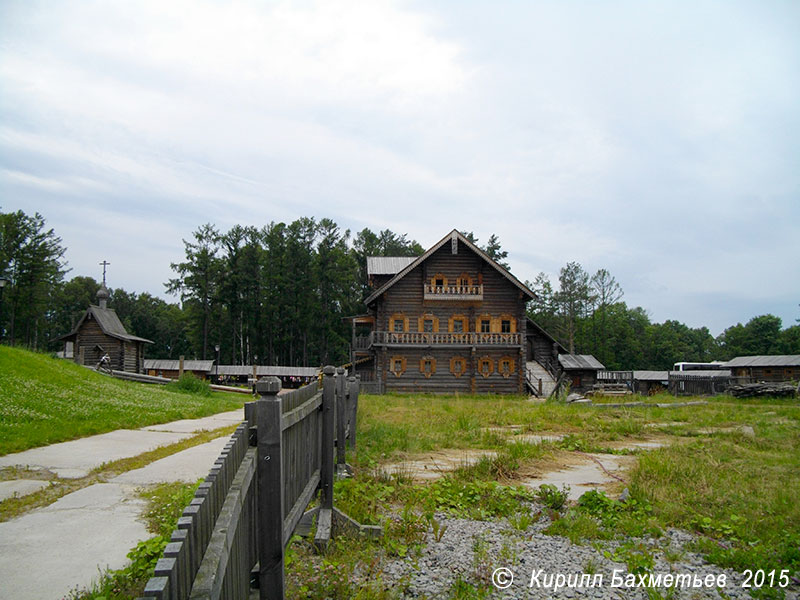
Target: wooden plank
point(301, 412)
point(324, 522)
point(217, 563)
point(296, 513)
point(157, 587)
point(168, 567)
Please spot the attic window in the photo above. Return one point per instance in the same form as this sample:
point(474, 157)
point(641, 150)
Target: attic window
point(439, 280)
point(505, 326)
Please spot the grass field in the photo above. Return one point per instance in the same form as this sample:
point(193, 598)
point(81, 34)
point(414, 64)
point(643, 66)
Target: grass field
point(730, 471)
point(44, 400)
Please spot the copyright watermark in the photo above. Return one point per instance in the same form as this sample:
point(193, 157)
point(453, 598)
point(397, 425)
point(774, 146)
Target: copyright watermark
point(502, 578)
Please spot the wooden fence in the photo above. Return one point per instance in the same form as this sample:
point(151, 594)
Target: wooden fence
point(256, 494)
point(681, 384)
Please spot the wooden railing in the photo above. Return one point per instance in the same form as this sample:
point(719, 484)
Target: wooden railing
point(256, 495)
point(453, 292)
point(431, 339)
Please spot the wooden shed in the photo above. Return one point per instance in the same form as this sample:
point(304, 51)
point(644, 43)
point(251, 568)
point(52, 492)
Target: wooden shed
point(751, 369)
point(581, 370)
point(100, 332)
point(172, 368)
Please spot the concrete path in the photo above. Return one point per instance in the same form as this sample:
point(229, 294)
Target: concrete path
point(77, 458)
point(47, 552)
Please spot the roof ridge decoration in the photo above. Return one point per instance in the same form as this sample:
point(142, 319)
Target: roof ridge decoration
point(453, 237)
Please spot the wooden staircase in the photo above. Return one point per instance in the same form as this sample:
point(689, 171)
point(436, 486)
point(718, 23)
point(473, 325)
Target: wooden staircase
point(536, 374)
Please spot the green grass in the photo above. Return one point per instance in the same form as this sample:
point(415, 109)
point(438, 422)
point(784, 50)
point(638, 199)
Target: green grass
point(738, 492)
point(44, 400)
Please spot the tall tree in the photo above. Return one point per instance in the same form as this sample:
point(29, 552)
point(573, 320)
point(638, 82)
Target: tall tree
point(31, 259)
point(573, 300)
point(605, 291)
point(198, 281)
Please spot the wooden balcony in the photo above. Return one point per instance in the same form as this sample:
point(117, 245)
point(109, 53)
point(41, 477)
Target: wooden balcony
point(470, 293)
point(392, 338)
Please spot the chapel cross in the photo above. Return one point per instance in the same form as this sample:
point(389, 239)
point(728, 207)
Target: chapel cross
point(105, 263)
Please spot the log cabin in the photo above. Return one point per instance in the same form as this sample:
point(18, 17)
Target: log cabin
point(100, 332)
point(451, 320)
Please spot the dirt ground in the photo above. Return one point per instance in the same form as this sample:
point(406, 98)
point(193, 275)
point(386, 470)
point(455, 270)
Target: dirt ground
point(580, 471)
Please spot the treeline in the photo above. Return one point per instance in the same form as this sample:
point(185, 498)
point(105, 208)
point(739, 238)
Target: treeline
point(586, 314)
point(280, 294)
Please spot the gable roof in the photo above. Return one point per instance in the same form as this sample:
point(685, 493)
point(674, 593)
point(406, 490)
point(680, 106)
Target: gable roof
point(579, 361)
point(109, 324)
point(455, 234)
point(778, 360)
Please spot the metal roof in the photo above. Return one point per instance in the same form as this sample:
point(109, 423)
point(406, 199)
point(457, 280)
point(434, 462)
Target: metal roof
point(579, 361)
point(109, 324)
point(782, 360)
point(455, 234)
point(167, 364)
point(388, 265)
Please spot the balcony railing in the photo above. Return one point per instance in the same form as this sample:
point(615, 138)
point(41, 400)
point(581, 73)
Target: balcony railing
point(453, 292)
point(434, 339)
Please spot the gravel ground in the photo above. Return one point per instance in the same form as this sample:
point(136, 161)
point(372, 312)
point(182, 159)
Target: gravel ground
point(473, 550)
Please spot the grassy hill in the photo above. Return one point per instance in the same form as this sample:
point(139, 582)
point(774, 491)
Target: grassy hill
point(44, 400)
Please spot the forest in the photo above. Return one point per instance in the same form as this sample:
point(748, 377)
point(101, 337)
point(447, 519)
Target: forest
point(280, 294)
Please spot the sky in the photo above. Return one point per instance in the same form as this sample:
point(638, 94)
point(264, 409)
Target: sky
point(658, 140)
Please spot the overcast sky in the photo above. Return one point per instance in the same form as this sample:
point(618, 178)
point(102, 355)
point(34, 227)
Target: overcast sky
point(658, 140)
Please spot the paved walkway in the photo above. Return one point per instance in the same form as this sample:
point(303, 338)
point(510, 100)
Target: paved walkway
point(49, 551)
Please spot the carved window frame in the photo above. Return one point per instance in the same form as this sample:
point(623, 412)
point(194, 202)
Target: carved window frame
point(393, 361)
point(427, 317)
point(458, 317)
point(512, 366)
point(485, 366)
point(436, 277)
point(512, 323)
point(398, 317)
point(464, 280)
point(427, 360)
point(486, 317)
point(458, 360)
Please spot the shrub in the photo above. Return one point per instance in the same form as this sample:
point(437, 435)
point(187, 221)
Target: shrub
point(189, 384)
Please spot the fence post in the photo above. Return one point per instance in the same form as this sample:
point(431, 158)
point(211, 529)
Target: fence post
point(270, 490)
point(325, 515)
point(355, 388)
point(341, 418)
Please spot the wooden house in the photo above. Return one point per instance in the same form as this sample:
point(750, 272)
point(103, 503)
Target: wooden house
point(451, 320)
point(765, 368)
point(100, 332)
